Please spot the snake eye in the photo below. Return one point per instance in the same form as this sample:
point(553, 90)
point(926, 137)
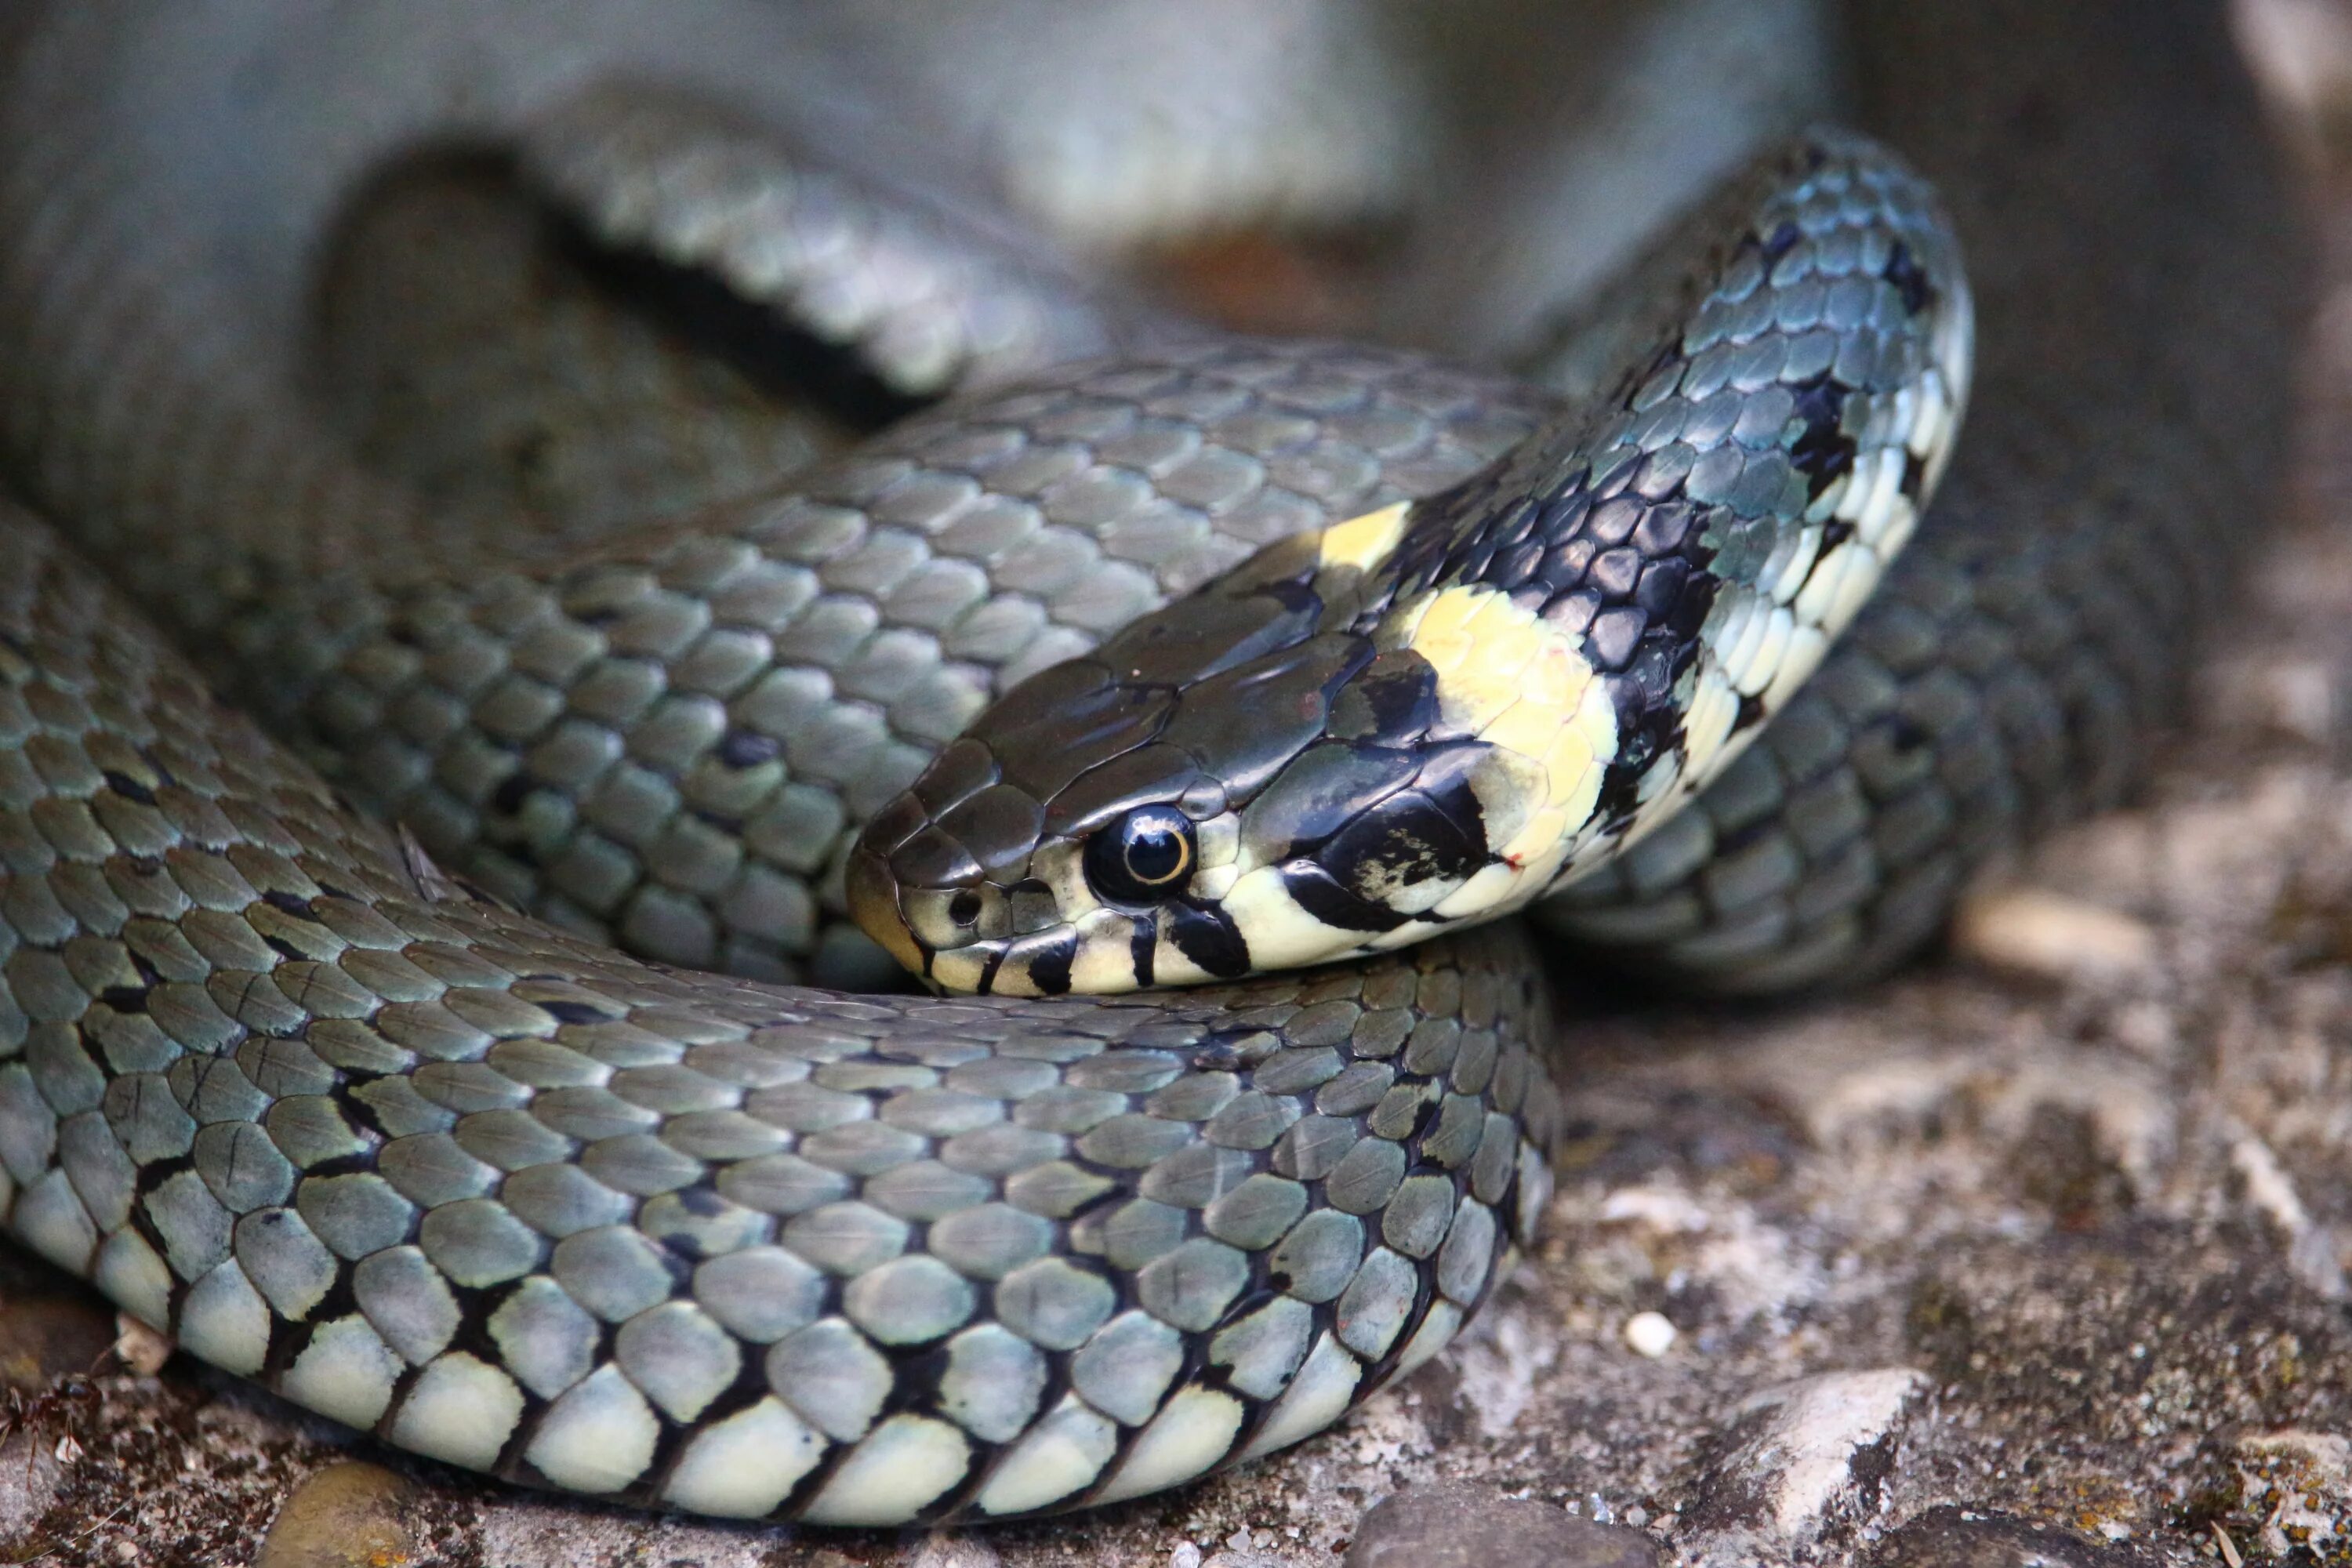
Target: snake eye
point(1141, 857)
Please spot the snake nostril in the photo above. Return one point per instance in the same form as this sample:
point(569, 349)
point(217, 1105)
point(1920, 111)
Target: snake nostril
point(965, 908)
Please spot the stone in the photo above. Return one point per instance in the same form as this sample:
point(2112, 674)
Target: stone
point(2047, 935)
point(1952, 1537)
point(1447, 1525)
point(1650, 1334)
point(347, 1515)
point(1802, 1460)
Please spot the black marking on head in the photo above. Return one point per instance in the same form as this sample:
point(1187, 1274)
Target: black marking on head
point(1314, 891)
point(1620, 783)
point(1822, 451)
point(1392, 698)
point(1328, 786)
point(1621, 795)
point(1909, 279)
point(1207, 936)
point(1142, 946)
point(1405, 839)
point(1446, 781)
point(1049, 969)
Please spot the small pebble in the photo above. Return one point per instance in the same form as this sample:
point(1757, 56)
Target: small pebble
point(2051, 936)
point(348, 1515)
point(955, 1549)
point(1448, 1524)
point(1650, 1334)
point(138, 1347)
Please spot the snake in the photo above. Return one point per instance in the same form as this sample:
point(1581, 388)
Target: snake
point(442, 1055)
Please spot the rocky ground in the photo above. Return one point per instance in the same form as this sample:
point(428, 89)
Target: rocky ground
point(2037, 1256)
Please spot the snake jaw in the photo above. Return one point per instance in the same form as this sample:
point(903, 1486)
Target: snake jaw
point(874, 905)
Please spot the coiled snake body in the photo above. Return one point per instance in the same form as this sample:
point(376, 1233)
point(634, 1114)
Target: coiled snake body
point(338, 1121)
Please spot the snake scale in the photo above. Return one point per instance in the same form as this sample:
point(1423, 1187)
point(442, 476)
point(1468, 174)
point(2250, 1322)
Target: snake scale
point(358, 1127)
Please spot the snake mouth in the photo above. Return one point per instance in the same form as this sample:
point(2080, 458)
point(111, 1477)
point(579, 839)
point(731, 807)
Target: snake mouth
point(960, 938)
point(874, 905)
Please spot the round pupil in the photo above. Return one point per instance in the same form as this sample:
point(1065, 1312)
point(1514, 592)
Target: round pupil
point(1155, 852)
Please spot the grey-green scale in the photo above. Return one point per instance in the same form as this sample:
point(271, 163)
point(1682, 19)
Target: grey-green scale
point(468, 1178)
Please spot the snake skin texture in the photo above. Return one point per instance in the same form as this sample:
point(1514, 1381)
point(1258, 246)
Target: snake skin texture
point(524, 1206)
point(338, 1121)
point(1458, 701)
point(2016, 663)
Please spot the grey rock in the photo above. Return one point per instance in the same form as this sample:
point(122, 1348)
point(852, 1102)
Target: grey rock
point(1952, 1537)
point(1448, 1525)
point(1807, 1458)
point(345, 1516)
point(2292, 1494)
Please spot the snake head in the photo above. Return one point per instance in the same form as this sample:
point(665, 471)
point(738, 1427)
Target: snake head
point(1261, 776)
point(1430, 714)
point(1087, 831)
